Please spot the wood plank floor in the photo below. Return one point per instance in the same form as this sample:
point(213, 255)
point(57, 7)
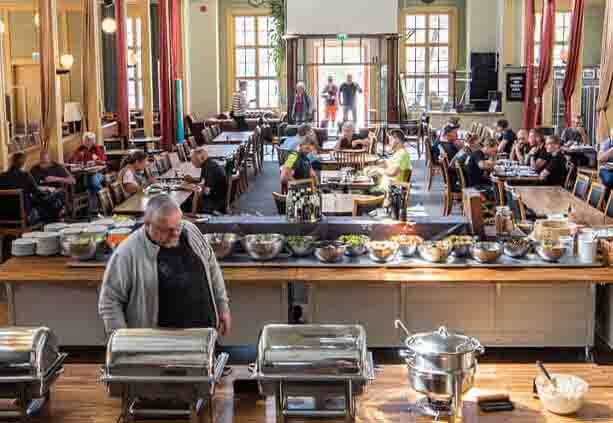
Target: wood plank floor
point(78, 398)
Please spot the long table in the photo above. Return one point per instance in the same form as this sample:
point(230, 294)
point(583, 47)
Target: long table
point(232, 137)
point(137, 203)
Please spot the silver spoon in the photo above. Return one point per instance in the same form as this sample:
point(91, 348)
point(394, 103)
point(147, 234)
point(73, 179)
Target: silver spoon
point(546, 373)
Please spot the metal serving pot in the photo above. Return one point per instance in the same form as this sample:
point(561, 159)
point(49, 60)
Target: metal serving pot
point(440, 385)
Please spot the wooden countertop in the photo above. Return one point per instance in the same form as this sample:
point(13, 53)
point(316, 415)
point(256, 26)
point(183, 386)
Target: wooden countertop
point(55, 271)
point(78, 397)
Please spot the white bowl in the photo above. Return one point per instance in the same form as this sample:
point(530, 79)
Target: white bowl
point(566, 398)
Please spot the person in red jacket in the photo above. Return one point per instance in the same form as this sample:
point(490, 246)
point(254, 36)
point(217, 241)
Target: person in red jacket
point(87, 154)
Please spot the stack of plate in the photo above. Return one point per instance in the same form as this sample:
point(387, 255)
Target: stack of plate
point(34, 235)
point(23, 247)
point(48, 244)
point(66, 236)
point(108, 222)
point(56, 227)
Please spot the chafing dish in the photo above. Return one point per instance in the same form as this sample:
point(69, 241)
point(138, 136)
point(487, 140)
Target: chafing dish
point(30, 362)
point(322, 362)
point(486, 252)
point(149, 367)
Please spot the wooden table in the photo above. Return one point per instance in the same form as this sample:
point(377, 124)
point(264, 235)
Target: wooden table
point(359, 185)
point(329, 163)
point(184, 168)
point(117, 153)
point(137, 203)
point(232, 137)
point(78, 397)
point(547, 200)
point(336, 204)
point(145, 143)
point(221, 151)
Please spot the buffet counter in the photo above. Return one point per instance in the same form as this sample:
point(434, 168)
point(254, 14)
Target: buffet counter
point(78, 397)
point(500, 305)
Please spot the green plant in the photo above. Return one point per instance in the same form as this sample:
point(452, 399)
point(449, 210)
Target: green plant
point(276, 31)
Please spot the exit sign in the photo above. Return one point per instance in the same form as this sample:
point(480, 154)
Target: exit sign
point(342, 37)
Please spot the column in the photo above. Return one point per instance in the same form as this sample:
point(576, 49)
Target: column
point(291, 51)
point(147, 67)
point(392, 79)
point(4, 133)
point(92, 69)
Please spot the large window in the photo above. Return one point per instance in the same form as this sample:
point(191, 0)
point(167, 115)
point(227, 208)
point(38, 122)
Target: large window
point(253, 60)
point(561, 37)
point(428, 51)
point(135, 68)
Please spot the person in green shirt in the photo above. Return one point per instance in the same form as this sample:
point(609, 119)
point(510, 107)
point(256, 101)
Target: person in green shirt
point(298, 164)
point(395, 169)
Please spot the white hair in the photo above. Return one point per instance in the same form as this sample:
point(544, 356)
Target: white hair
point(348, 125)
point(89, 136)
point(300, 85)
point(161, 205)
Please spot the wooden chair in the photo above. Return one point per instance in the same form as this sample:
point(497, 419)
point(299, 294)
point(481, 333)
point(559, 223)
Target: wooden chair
point(308, 182)
point(76, 201)
point(609, 207)
point(232, 191)
point(366, 205)
point(351, 158)
point(11, 223)
point(582, 186)
point(518, 209)
point(105, 202)
point(432, 168)
point(166, 162)
point(253, 155)
point(450, 197)
point(181, 153)
point(596, 196)
point(117, 193)
point(589, 172)
point(280, 202)
point(571, 175)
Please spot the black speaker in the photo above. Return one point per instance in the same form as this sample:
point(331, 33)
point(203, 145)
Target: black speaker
point(484, 78)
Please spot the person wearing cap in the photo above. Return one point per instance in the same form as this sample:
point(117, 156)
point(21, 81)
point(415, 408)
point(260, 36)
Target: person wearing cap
point(506, 137)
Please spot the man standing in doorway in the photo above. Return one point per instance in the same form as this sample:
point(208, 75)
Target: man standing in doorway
point(330, 94)
point(348, 95)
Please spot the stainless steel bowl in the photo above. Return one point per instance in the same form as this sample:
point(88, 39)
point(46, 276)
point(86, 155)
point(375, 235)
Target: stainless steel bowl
point(330, 251)
point(434, 252)
point(222, 244)
point(382, 251)
point(517, 249)
point(355, 250)
point(550, 253)
point(301, 246)
point(486, 252)
point(263, 247)
point(407, 244)
point(83, 247)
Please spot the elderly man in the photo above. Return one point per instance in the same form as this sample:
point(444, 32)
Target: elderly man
point(348, 95)
point(90, 152)
point(302, 109)
point(164, 275)
point(213, 182)
point(50, 173)
point(349, 140)
point(576, 134)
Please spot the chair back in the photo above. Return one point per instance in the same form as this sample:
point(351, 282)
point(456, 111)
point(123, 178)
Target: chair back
point(596, 196)
point(609, 207)
point(514, 202)
point(366, 205)
point(181, 153)
point(166, 162)
point(105, 202)
point(582, 186)
point(13, 211)
point(308, 182)
point(428, 148)
point(445, 172)
point(351, 158)
point(280, 202)
point(570, 177)
point(117, 193)
point(459, 168)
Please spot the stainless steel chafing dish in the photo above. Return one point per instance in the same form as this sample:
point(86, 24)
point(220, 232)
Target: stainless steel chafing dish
point(320, 363)
point(163, 373)
point(30, 362)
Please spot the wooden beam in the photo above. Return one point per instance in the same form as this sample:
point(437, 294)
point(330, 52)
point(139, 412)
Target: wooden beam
point(93, 73)
point(4, 133)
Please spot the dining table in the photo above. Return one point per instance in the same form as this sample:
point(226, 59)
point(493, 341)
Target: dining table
point(333, 179)
point(554, 200)
point(329, 162)
point(150, 145)
point(137, 203)
point(221, 151)
point(226, 137)
point(338, 204)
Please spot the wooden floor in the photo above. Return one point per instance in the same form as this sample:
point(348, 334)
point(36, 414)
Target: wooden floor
point(77, 398)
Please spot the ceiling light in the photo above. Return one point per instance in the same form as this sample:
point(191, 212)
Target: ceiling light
point(109, 25)
point(66, 63)
point(1, 27)
point(37, 19)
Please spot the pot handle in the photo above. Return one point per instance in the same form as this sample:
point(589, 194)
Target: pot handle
point(399, 325)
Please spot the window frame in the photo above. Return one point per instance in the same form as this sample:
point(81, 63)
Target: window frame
point(138, 79)
point(452, 44)
point(231, 56)
point(556, 43)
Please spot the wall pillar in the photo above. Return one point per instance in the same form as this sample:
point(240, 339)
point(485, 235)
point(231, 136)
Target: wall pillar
point(291, 48)
point(4, 133)
point(392, 79)
point(146, 60)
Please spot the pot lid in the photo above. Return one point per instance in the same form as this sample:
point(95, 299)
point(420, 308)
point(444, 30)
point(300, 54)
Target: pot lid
point(442, 341)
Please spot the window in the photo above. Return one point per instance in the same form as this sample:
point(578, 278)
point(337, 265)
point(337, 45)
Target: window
point(135, 68)
point(428, 51)
point(561, 37)
point(253, 60)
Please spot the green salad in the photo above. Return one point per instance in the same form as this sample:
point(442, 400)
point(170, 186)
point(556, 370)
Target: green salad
point(354, 240)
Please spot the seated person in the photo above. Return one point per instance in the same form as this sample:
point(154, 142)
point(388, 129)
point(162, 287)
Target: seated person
point(505, 137)
point(447, 145)
point(86, 154)
point(40, 206)
point(521, 147)
point(212, 184)
point(131, 176)
point(349, 140)
point(50, 173)
point(479, 165)
point(605, 155)
point(397, 168)
point(554, 172)
point(298, 165)
point(576, 134)
point(292, 143)
point(537, 156)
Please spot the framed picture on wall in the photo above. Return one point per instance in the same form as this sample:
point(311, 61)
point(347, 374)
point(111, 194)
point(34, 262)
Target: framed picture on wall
point(589, 73)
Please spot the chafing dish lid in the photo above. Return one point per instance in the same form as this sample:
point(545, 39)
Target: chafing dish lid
point(442, 341)
point(28, 347)
point(157, 347)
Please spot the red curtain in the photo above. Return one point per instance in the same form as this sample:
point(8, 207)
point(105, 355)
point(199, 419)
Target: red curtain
point(122, 68)
point(529, 105)
point(606, 74)
point(170, 48)
point(548, 23)
point(572, 64)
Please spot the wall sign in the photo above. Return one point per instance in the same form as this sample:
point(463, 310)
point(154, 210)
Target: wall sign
point(516, 84)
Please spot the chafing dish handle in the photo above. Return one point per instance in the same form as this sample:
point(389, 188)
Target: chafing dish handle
point(222, 359)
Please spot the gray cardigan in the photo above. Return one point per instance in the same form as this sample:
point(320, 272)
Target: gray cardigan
point(129, 293)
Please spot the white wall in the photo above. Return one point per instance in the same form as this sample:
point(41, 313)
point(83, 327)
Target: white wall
point(202, 58)
point(481, 26)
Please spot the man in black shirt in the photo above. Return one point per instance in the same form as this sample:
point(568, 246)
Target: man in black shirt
point(348, 96)
point(349, 140)
point(447, 144)
point(537, 156)
point(479, 165)
point(50, 173)
point(555, 170)
point(506, 136)
point(213, 182)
